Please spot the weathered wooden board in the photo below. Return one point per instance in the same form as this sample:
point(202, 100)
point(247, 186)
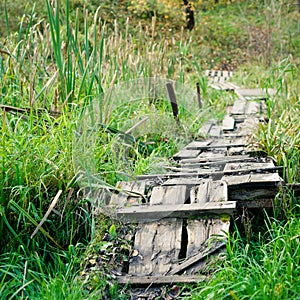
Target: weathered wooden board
point(254, 180)
point(228, 123)
point(204, 130)
point(238, 107)
point(188, 181)
point(218, 229)
point(248, 126)
point(209, 155)
point(156, 246)
point(259, 93)
point(147, 213)
point(186, 153)
point(197, 231)
point(253, 107)
point(209, 191)
point(215, 131)
point(169, 195)
point(216, 159)
point(159, 280)
point(130, 193)
point(231, 166)
point(198, 145)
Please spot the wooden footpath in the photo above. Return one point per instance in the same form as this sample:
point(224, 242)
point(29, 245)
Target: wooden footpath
point(183, 217)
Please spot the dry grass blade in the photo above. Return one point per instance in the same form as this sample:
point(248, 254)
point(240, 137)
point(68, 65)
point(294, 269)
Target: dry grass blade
point(53, 203)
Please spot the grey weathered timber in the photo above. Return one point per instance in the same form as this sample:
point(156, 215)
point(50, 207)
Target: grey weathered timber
point(188, 181)
point(218, 143)
point(228, 123)
point(259, 93)
point(253, 107)
point(215, 131)
point(204, 130)
point(216, 159)
point(130, 193)
point(196, 259)
point(169, 195)
point(238, 107)
point(186, 153)
point(218, 229)
point(198, 145)
point(232, 166)
point(209, 191)
point(253, 180)
point(157, 245)
point(159, 280)
point(147, 213)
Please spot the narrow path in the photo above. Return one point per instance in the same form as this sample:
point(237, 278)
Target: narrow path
point(183, 217)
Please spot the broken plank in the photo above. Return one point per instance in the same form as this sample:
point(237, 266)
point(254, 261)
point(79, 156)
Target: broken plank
point(130, 193)
point(216, 158)
point(271, 179)
point(198, 145)
point(209, 190)
point(238, 107)
point(228, 123)
point(169, 195)
point(188, 181)
point(146, 213)
point(253, 107)
point(204, 130)
point(233, 166)
point(196, 259)
point(186, 153)
point(159, 280)
point(258, 92)
point(157, 245)
point(215, 131)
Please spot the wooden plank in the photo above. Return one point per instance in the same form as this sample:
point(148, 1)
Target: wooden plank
point(248, 126)
point(218, 229)
point(169, 195)
point(238, 107)
point(228, 123)
point(209, 190)
point(130, 193)
point(253, 107)
point(198, 145)
point(188, 181)
point(259, 93)
point(147, 213)
point(248, 166)
point(215, 131)
point(215, 159)
point(157, 245)
point(204, 130)
point(197, 231)
point(198, 258)
point(270, 179)
point(218, 143)
point(186, 153)
point(159, 280)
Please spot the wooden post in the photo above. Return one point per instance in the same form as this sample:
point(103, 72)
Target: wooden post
point(189, 13)
point(173, 101)
point(199, 95)
point(299, 6)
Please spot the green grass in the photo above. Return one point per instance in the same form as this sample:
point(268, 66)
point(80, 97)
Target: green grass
point(70, 61)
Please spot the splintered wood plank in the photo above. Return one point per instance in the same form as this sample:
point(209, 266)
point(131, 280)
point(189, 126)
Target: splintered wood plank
point(186, 153)
point(204, 130)
point(189, 181)
point(253, 107)
point(248, 126)
point(215, 131)
point(198, 145)
point(157, 245)
point(233, 151)
point(159, 280)
point(238, 107)
point(194, 261)
point(218, 229)
point(228, 123)
point(147, 213)
point(197, 232)
point(271, 179)
point(130, 193)
point(243, 166)
point(215, 159)
point(259, 93)
point(209, 190)
point(169, 195)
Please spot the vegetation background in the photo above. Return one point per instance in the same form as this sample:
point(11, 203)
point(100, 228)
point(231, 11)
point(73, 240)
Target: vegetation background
point(58, 56)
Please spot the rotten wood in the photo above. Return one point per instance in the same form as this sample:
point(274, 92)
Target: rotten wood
point(147, 213)
point(159, 280)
